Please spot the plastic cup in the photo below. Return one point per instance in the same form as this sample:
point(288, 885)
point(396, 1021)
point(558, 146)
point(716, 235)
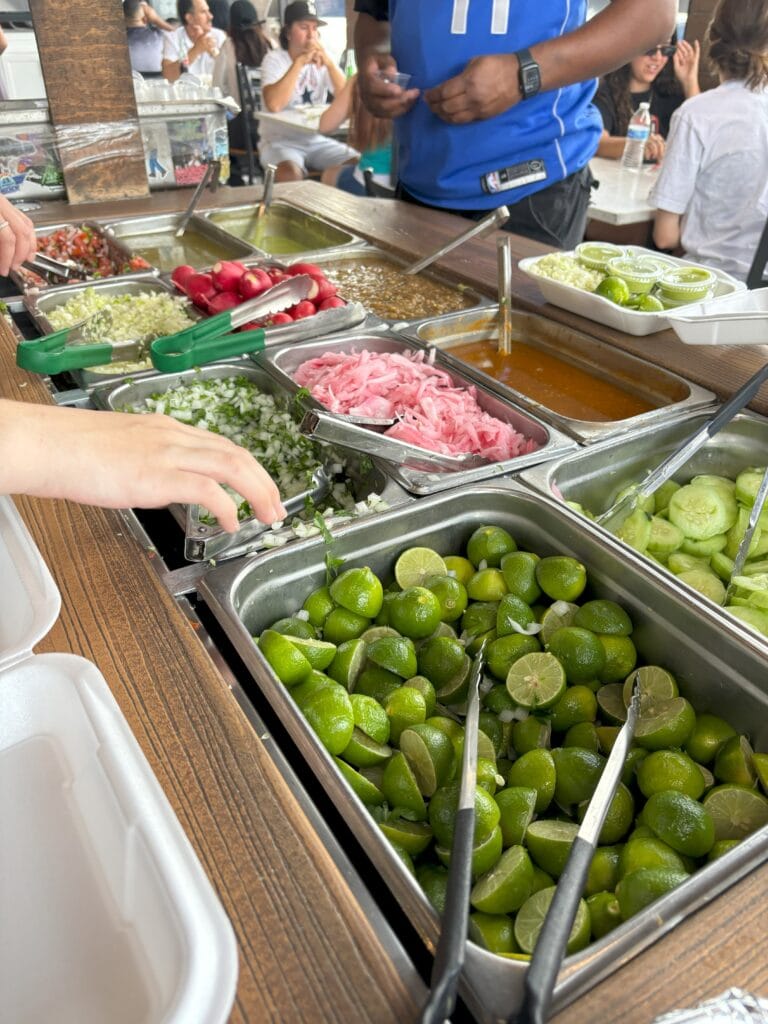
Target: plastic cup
point(686, 284)
point(394, 78)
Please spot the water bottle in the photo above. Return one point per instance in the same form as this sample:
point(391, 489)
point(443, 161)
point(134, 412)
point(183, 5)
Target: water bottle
point(638, 133)
point(348, 63)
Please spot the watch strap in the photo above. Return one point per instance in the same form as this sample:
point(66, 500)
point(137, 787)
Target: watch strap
point(529, 74)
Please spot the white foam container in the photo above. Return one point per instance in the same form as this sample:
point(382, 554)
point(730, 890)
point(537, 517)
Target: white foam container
point(717, 322)
point(105, 911)
point(595, 307)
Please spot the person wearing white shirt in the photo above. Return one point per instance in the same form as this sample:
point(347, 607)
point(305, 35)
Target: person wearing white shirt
point(299, 73)
point(194, 45)
point(712, 191)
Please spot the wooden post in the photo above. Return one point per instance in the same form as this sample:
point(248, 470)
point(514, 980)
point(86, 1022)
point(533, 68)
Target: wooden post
point(87, 72)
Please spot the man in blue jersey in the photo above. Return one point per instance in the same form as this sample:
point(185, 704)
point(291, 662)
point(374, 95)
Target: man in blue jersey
point(498, 109)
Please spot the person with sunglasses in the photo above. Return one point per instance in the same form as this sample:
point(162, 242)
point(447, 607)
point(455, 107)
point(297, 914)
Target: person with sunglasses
point(664, 76)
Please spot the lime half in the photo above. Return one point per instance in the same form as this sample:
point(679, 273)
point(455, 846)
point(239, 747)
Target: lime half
point(415, 566)
point(537, 680)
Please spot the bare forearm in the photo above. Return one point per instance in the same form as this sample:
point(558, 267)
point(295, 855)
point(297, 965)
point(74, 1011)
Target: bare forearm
point(610, 146)
point(338, 112)
point(612, 38)
point(666, 229)
point(371, 36)
point(278, 95)
point(338, 81)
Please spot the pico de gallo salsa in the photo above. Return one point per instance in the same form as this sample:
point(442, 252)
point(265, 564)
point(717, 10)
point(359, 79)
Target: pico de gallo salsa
point(91, 252)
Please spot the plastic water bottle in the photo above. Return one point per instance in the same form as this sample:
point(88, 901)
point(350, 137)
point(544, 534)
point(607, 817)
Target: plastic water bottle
point(638, 133)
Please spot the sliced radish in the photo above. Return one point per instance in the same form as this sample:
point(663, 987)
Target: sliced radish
point(253, 283)
point(181, 275)
point(325, 289)
point(226, 276)
point(305, 268)
point(222, 301)
point(302, 309)
point(332, 302)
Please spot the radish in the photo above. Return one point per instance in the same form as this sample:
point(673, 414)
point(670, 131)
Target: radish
point(305, 268)
point(325, 289)
point(302, 309)
point(332, 302)
point(223, 301)
point(280, 318)
point(276, 275)
point(226, 276)
point(200, 289)
point(253, 283)
point(181, 276)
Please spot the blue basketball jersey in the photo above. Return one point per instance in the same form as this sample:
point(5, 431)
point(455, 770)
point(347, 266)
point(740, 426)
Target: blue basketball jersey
point(502, 159)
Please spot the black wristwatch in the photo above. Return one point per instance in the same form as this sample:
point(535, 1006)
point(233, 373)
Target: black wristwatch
point(529, 75)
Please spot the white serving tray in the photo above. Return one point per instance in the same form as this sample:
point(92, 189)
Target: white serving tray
point(105, 911)
point(723, 321)
point(595, 307)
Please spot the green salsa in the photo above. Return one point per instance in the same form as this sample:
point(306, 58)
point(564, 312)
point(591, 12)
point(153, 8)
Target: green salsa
point(163, 250)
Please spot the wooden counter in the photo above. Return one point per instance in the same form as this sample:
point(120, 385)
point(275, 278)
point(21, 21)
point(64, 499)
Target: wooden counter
point(307, 952)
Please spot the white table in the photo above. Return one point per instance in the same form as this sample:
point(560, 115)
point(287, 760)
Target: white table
point(306, 119)
point(623, 195)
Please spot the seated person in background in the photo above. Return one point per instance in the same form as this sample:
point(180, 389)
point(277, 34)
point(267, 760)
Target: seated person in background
point(650, 78)
point(194, 45)
point(144, 28)
point(370, 135)
point(220, 14)
point(300, 72)
point(712, 191)
point(247, 45)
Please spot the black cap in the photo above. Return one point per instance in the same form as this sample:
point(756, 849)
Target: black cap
point(301, 11)
point(242, 13)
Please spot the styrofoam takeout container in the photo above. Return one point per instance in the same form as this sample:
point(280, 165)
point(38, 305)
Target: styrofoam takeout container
point(720, 322)
point(595, 307)
point(105, 911)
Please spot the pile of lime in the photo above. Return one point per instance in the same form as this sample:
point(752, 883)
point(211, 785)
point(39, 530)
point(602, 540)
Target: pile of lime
point(694, 530)
point(380, 670)
point(635, 278)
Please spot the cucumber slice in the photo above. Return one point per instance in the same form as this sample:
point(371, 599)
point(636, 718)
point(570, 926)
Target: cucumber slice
point(754, 617)
point(636, 530)
point(705, 582)
point(665, 537)
point(679, 562)
point(656, 557)
point(662, 496)
point(702, 512)
point(756, 568)
point(577, 507)
point(722, 565)
point(647, 504)
point(704, 548)
point(747, 484)
point(711, 480)
point(737, 531)
point(758, 599)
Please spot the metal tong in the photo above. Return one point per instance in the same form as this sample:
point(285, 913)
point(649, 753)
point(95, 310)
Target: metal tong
point(496, 219)
point(451, 946)
point(550, 946)
point(210, 177)
point(203, 342)
point(48, 267)
point(328, 429)
point(667, 469)
point(266, 195)
point(746, 540)
point(504, 268)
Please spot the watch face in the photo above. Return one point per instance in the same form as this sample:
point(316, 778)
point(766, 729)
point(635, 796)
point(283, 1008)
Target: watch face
point(531, 79)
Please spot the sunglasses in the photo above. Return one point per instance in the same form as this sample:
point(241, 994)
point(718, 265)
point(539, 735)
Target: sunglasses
point(665, 51)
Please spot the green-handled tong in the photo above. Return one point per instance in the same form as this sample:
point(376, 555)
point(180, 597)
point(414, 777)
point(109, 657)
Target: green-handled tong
point(203, 342)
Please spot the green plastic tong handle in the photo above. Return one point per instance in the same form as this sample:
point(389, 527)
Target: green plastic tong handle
point(51, 354)
point(204, 342)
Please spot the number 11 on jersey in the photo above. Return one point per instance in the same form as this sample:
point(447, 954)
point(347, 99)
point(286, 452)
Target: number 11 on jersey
point(499, 17)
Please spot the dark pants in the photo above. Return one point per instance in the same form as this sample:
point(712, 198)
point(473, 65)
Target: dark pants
point(555, 216)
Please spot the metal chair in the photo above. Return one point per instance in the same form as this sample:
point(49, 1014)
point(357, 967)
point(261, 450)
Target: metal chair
point(757, 276)
point(373, 189)
point(244, 128)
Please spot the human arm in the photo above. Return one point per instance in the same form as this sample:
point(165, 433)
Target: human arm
point(338, 112)
point(612, 147)
point(153, 18)
point(372, 42)
point(3, 41)
point(197, 44)
point(278, 83)
point(122, 460)
point(488, 85)
point(686, 65)
point(17, 237)
point(666, 229)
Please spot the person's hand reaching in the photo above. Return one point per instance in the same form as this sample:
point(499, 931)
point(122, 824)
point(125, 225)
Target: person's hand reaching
point(383, 98)
point(123, 460)
point(654, 148)
point(17, 237)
